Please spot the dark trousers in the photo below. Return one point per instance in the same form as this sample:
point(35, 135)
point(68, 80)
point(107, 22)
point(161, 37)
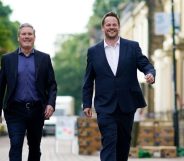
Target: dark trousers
point(115, 129)
point(23, 121)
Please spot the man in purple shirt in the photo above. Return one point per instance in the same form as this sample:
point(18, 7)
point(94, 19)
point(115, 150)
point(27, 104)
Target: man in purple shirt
point(27, 94)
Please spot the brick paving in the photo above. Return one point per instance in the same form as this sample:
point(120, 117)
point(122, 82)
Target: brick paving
point(62, 152)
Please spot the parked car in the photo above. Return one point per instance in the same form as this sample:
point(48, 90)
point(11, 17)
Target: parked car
point(64, 107)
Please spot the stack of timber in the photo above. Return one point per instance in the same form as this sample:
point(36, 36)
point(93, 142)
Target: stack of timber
point(89, 138)
point(155, 138)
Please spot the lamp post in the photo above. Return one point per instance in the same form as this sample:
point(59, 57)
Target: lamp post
point(175, 113)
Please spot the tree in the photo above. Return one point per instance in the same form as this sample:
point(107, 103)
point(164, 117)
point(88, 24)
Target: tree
point(69, 64)
point(8, 30)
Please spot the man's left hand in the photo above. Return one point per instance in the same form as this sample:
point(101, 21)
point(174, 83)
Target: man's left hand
point(149, 78)
point(49, 110)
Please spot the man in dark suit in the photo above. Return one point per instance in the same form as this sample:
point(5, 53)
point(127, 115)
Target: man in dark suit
point(27, 94)
point(112, 64)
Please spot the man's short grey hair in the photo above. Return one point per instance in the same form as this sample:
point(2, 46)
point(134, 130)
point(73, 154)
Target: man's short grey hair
point(25, 25)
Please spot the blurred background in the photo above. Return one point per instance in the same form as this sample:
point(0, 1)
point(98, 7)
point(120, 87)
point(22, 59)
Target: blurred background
point(65, 30)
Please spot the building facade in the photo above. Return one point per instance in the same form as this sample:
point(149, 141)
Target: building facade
point(150, 24)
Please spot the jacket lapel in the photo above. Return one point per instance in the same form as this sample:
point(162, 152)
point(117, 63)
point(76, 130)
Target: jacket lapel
point(14, 65)
point(122, 53)
point(104, 58)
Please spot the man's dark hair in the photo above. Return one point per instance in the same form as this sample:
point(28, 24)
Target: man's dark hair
point(110, 14)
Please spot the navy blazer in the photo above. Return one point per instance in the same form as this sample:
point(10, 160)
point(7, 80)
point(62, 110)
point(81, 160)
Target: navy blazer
point(45, 79)
point(122, 89)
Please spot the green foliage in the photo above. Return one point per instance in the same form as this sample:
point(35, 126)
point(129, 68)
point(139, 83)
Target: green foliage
point(144, 153)
point(103, 6)
point(8, 30)
point(180, 151)
point(69, 65)
point(5, 11)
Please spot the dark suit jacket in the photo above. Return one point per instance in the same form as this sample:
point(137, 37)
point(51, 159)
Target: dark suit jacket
point(45, 79)
point(122, 89)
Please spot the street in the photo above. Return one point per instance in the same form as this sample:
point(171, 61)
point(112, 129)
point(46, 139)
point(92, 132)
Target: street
point(55, 150)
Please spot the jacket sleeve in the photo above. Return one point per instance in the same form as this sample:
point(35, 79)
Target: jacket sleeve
point(88, 84)
point(51, 84)
point(2, 84)
point(143, 64)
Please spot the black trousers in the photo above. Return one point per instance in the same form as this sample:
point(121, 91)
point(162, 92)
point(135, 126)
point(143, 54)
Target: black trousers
point(24, 119)
point(115, 130)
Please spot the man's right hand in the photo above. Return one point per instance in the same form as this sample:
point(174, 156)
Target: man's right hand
point(88, 112)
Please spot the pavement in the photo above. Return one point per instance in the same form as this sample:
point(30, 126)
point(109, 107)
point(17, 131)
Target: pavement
point(60, 150)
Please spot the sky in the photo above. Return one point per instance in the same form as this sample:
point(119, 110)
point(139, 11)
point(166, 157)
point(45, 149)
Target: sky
point(51, 17)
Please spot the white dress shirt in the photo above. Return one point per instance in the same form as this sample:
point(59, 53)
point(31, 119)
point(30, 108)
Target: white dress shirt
point(112, 55)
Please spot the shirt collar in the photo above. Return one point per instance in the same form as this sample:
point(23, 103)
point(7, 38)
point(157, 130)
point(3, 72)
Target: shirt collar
point(117, 43)
point(21, 53)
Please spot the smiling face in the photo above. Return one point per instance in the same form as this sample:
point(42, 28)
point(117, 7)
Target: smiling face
point(26, 38)
point(111, 28)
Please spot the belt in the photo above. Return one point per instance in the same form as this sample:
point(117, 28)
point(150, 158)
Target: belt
point(28, 105)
